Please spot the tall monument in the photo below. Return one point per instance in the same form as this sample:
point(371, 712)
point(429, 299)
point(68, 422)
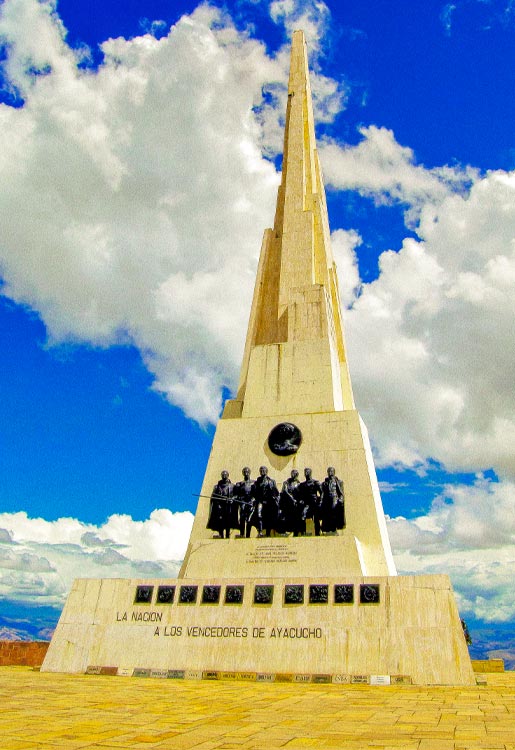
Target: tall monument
point(298, 585)
point(295, 372)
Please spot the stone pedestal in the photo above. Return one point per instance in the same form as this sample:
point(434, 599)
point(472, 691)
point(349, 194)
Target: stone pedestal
point(381, 630)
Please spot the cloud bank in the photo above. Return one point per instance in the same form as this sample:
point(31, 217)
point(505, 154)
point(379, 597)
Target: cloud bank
point(144, 192)
point(144, 187)
point(39, 559)
point(468, 533)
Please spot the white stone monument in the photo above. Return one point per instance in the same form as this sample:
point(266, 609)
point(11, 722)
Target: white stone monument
point(325, 605)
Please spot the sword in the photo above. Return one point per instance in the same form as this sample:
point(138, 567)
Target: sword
point(224, 499)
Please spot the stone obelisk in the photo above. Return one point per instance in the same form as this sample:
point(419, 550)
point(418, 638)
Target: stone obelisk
point(295, 371)
point(324, 607)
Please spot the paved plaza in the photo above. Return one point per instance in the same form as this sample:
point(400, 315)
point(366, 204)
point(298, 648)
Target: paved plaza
point(43, 711)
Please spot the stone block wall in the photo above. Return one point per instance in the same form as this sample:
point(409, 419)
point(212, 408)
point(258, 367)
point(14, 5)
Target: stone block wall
point(488, 665)
point(23, 653)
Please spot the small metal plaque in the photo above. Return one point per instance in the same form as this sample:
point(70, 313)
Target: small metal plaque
point(341, 679)
point(211, 594)
point(233, 594)
point(138, 672)
point(369, 593)
point(210, 675)
point(344, 593)
point(294, 594)
point(188, 594)
point(321, 679)
point(285, 439)
point(318, 593)
point(360, 679)
point(400, 679)
point(248, 676)
point(161, 674)
point(113, 671)
point(380, 679)
point(263, 594)
point(193, 674)
point(176, 674)
point(265, 677)
point(302, 678)
point(165, 594)
point(143, 594)
point(282, 677)
point(93, 669)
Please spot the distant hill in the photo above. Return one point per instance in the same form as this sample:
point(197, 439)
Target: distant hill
point(25, 622)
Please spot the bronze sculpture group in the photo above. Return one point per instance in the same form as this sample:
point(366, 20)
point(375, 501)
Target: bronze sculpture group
point(259, 504)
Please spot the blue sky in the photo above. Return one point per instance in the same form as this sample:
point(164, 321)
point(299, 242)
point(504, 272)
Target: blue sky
point(138, 158)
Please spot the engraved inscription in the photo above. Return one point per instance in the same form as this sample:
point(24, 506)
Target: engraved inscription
point(138, 672)
point(272, 553)
point(360, 679)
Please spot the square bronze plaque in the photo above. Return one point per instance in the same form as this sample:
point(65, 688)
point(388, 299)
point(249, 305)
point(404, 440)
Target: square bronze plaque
point(344, 593)
point(294, 593)
point(143, 594)
point(369, 593)
point(263, 594)
point(188, 594)
point(318, 593)
point(233, 594)
point(211, 594)
point(165, 594)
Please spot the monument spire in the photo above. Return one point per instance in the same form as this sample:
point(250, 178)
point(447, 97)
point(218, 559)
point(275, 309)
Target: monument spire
point(296, 295)
point(294, 377)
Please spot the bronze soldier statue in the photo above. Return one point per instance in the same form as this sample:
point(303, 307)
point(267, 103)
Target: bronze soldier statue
point(288, 504)
point(333, 503)
point(309, 494)
point(243, 494)
point(223, 512)
point(266, 497)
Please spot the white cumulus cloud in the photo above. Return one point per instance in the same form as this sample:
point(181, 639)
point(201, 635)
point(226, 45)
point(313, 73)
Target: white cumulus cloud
point(432, 340)
point(379, 167)
point(135, 196)
point(468, 533)
point(39, 559)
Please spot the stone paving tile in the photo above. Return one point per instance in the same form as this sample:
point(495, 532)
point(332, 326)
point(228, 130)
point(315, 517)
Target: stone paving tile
point(41, 711)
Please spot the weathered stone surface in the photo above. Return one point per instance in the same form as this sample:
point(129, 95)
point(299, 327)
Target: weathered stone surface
point(412, 631)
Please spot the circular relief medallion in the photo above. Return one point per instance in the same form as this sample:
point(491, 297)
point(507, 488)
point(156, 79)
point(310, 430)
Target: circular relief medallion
point(285, 439)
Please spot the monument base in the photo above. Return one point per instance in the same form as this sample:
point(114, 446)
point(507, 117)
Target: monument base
point(385, 630)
